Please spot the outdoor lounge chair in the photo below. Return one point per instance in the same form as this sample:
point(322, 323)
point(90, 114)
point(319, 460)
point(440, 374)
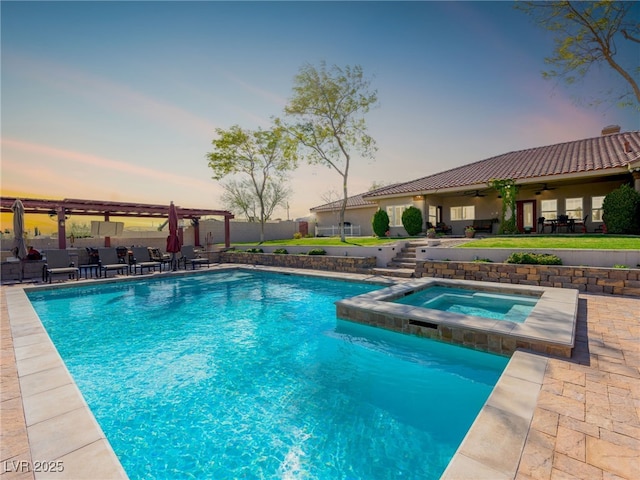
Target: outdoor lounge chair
point(59, 263)
point(141, 260)
point(189, 256)
point(109, 261)
point(157, 256)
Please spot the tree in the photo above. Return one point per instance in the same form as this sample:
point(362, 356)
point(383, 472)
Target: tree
point(621, 210)
point(328, 108)
point(508, 191)
point(263, 157)
point(331, 196)
point(239, 196)
point(412, 220)
point(380, 223)
point(588, 34)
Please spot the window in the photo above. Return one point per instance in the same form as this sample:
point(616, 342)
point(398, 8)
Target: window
point(433, 215)
point(573, 208)
point(395, 215)
point(549, 209)
point(463, 213)
point(596, 208)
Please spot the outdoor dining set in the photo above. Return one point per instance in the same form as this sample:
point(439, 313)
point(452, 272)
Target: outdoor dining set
point(562, 221)
point(121, 260)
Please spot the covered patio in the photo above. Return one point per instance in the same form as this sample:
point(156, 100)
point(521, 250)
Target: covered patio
point(62, 209)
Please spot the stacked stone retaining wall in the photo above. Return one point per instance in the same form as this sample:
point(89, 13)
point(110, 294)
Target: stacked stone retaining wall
point(615, 281)
point(314, 262)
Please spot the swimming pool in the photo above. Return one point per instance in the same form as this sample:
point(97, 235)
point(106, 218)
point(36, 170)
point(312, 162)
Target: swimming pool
point(250, 374)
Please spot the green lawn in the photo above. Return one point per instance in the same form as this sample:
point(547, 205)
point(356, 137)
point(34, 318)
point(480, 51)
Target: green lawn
point(575, 242)
point(598, 242)
point(325, 242)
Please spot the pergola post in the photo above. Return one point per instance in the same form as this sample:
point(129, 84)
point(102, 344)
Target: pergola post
point(195, 221)
point(107, 240)
point(227, 231)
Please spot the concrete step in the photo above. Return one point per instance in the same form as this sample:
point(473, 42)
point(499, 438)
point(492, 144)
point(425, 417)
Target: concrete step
point(395, 272)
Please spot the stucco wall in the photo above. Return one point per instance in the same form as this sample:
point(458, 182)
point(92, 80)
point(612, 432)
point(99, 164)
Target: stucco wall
point(593, 258)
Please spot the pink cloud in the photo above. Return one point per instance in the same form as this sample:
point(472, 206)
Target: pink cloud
point(91, 173)
point(109, 94)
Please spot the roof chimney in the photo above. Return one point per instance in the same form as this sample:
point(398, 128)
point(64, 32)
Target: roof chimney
point(610, 130)
point(627, 146)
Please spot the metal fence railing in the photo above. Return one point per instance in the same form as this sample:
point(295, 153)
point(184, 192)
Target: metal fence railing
point(334, 230)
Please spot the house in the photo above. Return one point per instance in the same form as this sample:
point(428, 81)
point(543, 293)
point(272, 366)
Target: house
point(569, 178)
point(358, 213)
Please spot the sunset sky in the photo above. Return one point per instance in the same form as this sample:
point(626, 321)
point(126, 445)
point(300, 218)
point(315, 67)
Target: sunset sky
point(119, 100)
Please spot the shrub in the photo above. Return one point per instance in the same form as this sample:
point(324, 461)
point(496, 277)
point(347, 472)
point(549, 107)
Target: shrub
point(617, 265)
point(281, 250)
point(317, 251)
point(254, 250)
point(380, 223)
point(483, 260)
point(534, 258)
point(297, 236)
point(621, 210)
point(412, 220)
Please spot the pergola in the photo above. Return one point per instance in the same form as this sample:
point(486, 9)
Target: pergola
point(72, 206)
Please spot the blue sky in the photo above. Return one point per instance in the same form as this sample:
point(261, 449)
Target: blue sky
point(119, 100)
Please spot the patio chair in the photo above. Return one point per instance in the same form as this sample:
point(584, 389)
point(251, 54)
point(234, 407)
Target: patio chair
point(581, 223)
point(58, 262)
point(189, 256)
point(563, 221)
point(157, 256)
point(109, 261)
point(141, 260)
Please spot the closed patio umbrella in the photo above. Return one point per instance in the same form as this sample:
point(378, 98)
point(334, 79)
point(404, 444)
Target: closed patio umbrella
point(173, 241)
point(20, 246)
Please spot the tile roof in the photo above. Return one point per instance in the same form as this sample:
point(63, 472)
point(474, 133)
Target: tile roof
point(591, 154)
point(352, 202)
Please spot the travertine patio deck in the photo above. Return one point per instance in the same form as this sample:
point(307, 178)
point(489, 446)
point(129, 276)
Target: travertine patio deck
point(586, 422)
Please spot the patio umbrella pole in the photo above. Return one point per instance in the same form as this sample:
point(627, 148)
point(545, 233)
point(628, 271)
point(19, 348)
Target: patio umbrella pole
point(173, 241)
point(20, 247)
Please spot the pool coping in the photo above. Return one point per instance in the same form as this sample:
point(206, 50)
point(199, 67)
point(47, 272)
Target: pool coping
point(65, 430)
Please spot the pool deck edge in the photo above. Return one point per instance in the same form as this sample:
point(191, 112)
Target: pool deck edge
point(64, 438)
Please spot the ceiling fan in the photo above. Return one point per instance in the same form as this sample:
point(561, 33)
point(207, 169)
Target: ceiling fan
point(474, 193)
point(545, 188)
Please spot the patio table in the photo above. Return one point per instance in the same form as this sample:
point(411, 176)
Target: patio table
point(90, 269)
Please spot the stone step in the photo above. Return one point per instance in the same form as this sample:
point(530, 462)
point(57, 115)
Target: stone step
point(398, 264)
point(395, 272)
point(403, 258)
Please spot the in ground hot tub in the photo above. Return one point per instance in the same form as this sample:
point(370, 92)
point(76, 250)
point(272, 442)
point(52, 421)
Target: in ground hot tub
point(493, 317)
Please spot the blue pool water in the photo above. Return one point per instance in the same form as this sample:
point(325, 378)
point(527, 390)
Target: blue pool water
point(249, 375)
point(496, 306)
